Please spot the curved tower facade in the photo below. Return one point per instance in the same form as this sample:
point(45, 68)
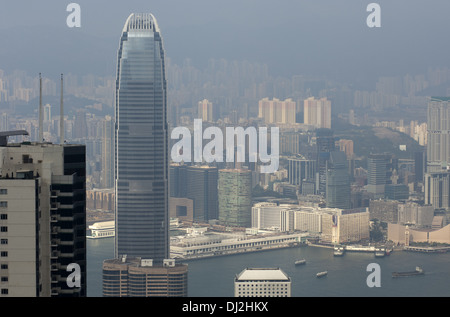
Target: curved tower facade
point(141, 142)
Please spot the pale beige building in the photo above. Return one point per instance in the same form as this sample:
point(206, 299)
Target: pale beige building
point(332, 224)
point(346, 146)
point(277, 111)
point(317, 112)
point(205, 110)
point(308, 220)
point(414, 214)
point(345, 226)
point(405, 235)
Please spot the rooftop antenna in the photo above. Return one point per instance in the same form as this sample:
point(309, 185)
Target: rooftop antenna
point(41, 118)
point(61, 115)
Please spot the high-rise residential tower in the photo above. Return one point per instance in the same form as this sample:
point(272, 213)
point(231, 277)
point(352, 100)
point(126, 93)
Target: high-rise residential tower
point(277, 111)
point(141, 142)
point(438, 144)
point(42, 219)
point(317, 112)
point(205, 110)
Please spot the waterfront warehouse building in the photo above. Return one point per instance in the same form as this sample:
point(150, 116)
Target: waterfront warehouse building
point(262, 282)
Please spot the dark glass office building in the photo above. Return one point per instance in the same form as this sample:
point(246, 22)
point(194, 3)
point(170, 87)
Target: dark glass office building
point(338, 181)
point(141, 142)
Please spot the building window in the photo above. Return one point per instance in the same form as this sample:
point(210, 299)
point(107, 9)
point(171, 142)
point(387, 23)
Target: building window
point(4, 254)
point(3, 241)
point(3, 191)
point(3, 229)
point(4, 279)
point(4, 267)
point(4, 291)
point(3, 204)
point(3, 216)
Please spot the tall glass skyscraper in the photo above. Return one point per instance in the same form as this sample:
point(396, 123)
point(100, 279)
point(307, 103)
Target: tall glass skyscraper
point(338, 181)
point(235, 197)
point(141, 142)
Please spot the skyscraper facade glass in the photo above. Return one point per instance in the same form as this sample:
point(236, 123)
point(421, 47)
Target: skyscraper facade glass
point(235, 197)
point(338, 181)
point(376, 174)
point(141, 147)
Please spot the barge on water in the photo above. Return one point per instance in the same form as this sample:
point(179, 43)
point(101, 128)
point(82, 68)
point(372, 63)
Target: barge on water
point(418, 271)
point(300, 262)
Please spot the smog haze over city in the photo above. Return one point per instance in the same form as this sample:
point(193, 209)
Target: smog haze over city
point(355, 96)
point(319, 38)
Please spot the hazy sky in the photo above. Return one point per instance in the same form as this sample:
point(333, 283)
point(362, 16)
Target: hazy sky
point(323, 37)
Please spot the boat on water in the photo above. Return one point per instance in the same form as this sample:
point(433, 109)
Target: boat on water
point(417, 271)
point(380, 252)
point(338, 251)
point(321, 274)
point(300, 262)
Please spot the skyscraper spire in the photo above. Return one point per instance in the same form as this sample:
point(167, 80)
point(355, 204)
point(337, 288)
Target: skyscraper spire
point(41, 116)
point(61, 115)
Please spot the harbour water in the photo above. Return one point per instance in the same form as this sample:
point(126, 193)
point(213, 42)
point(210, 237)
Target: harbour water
point(347, 275)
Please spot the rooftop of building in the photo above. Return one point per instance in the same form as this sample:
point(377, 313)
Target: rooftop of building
point(262, 274)
point(138, 262)
point(42, 144)
point(235, 170)
point(141, 22)
point(436, 98)
point(103, 225)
